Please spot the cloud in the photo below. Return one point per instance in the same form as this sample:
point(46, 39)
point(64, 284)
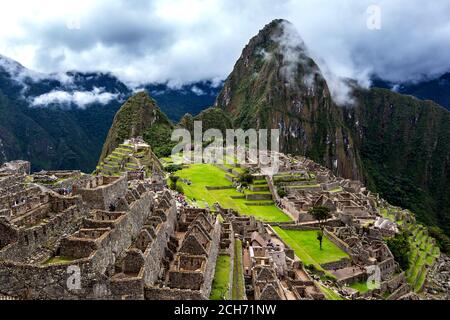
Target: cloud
point(198, 91)
point(181, 41)
point(79, 98)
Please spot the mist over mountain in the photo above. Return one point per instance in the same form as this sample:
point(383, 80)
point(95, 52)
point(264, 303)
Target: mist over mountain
point(434, 89)
point(397, 144)
point(60, 121)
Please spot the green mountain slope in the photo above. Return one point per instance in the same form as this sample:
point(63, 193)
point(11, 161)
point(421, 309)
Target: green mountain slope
point(211, 118)
point(49, 138)
point(274, 84)
point(405, 147)
point(140, 117)
point(399, 145)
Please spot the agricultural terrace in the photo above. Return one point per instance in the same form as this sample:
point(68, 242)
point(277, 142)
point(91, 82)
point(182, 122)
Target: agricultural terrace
point(423, 250)
point(423, 253)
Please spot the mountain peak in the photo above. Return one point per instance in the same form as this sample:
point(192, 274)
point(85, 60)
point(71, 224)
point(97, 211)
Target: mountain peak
point(12, 67)
point(138, 117)
point(276, 84)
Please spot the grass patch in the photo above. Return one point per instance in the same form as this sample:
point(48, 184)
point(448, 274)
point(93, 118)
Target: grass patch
point(202, 175)
point(220, 285)
point(329, 294)
point(238, 290)
point(360, 286)
point(306, 247)
point(58, 260)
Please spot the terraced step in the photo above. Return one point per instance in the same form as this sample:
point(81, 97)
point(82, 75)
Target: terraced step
point(260, 182)
point(259, 188)
point(132, 166)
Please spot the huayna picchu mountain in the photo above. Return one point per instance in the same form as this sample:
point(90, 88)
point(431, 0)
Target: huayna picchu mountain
point(399, 145)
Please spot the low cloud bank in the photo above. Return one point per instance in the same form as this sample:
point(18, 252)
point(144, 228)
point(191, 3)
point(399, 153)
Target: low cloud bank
point(80, 99)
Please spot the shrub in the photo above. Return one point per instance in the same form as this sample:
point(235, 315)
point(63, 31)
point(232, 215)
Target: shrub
point(179, 189)
point(282, 193)
point(245, 178)
point(442, 240)
point(400, 248)
point(173, 168)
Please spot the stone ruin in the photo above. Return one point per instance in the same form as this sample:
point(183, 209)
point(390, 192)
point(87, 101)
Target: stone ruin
point(108, 238)
point(272, 271)
point(190, 267)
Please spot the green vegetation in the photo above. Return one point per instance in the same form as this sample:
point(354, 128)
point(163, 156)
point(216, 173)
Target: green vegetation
point(58, 260)
point(422, 255)
point(202, 176)
point(442, 240)
point(304, 244)
point(238, 292)
point(281, 193)
point(401, 167)
point(321, 214)
point(245, 178)
point(159, 137)
point(360, 286)
point(329, 294)
point(140, 116)
point(220, 285)
point(171, 168)
point(399, 246)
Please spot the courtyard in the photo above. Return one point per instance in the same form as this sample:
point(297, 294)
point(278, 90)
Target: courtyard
point(307, 249)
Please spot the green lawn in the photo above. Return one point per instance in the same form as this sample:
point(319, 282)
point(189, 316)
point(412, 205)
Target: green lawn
point(306, 247)
point(238, 289)
point(330, 294)
point(202, 175)
point(220, 285)
point(360, 286)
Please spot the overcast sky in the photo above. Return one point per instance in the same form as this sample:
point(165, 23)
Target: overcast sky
point(190, 40)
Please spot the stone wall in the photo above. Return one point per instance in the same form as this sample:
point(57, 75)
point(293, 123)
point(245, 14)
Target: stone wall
point(393, 284)
point(338, 242)
point(156, 293)
point(211, 261)
point(343, 263)
point(27, 240)
point(155, 252)
point(260, 196)
point(51, 281)
point(102, 196)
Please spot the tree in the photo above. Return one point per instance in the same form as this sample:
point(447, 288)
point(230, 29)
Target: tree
point(173, 168)
point(245, 178)
point(400, 248)
point(442, 240)
point(281, 193)
point(173, 182)
point(320, 213)
point(320, 238)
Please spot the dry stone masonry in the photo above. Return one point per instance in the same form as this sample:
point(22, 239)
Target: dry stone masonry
point(122, 234)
